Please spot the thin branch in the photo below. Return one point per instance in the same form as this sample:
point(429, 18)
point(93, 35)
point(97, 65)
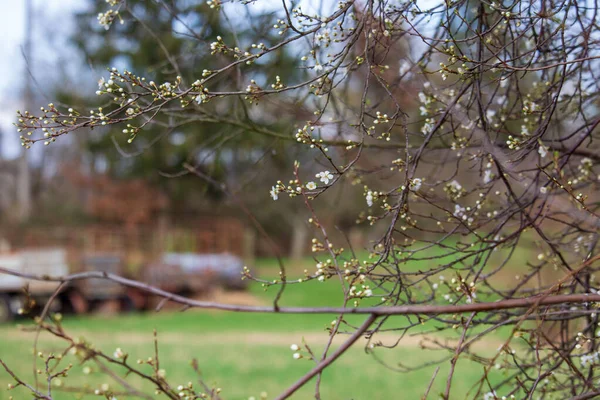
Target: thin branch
point(533, 301)
point(326, 362)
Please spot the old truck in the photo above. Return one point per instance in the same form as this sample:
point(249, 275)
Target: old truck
point(186, 274)
point(222, 269)
point(16, 293)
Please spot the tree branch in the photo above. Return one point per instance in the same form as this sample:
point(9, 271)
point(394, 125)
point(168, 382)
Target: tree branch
point(325, 363)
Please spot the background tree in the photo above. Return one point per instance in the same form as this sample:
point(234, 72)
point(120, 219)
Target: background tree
point(221, 149)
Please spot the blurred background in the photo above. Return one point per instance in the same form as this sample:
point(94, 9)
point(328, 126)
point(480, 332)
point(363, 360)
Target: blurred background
point(76, 195)
point(92, 202)
point(85, 204)
point(56, 51)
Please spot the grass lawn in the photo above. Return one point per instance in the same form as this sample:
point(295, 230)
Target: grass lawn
point(243, 362)
point(246, 354)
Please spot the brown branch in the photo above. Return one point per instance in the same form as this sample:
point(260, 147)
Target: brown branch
point(454, 360)
point(430, 383)
point(585, 396)
point(35, 392)
point(325, 363)
point(526, 302)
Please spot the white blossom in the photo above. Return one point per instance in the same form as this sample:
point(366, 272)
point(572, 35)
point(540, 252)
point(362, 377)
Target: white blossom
point(274, 193)
point(593, 358)
point(106, 19)
point(427, 127)
point(201, 98)
point(457, 186)
point(118, 353)
point(323, 37)
point(325, 176)
point(459, 211)
point(311, 185)
point(487, 176)
point(404, 67)
point(369, 198)
point(416, 184)
point(489, 396)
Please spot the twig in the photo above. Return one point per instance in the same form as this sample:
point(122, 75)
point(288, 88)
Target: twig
point(35, 392)
point(325, 363)
point(526, 302)
point(424, 397)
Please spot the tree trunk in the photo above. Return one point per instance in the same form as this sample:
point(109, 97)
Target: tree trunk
point(299, 239)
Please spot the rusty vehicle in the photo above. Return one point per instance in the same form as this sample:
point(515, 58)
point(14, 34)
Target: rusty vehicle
point(100, 294)
point(16, 293)
point(189, 274)
point(188, 262)
point(224, 270)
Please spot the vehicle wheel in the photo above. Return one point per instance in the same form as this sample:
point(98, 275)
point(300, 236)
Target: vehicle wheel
point(107, 306)
point(138, 298)
point(6, 313)
point(78, 304)
point(127, 304)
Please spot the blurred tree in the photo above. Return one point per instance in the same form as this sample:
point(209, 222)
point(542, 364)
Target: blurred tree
point(168, 39)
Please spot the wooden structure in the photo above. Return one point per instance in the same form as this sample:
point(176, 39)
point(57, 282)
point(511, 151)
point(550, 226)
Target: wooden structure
point(137, 245)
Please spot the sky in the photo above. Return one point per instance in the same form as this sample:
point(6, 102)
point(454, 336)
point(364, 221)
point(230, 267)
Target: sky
point(11, 32)
point(52, 21)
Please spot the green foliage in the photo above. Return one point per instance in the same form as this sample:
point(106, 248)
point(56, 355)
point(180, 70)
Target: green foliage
point(219, 151)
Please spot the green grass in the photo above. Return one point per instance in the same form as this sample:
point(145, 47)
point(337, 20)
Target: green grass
point(246, 369)
point(247, 354)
